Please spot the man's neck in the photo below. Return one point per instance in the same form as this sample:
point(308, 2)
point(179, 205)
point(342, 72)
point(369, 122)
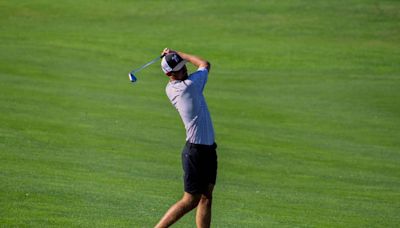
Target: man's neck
point(173, 78)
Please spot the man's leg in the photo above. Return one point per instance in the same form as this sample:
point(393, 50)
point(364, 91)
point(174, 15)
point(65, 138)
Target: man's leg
point(203, 214)
point(179, 209)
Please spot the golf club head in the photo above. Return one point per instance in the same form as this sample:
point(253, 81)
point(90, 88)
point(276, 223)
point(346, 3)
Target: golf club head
point(132, 77)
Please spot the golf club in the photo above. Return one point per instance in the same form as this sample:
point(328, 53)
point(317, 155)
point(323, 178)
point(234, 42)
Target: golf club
point(132, 76)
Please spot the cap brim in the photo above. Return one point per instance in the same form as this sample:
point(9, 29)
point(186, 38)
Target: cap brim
point(179, 66)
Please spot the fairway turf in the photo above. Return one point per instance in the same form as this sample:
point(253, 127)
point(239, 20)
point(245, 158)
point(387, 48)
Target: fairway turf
point(304, 96)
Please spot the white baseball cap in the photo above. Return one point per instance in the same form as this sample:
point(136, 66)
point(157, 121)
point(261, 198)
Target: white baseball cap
point(172, 62)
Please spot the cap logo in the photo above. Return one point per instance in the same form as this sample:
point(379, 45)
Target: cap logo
point(175, 57)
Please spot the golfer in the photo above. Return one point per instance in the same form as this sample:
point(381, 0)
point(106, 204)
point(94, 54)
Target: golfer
point(199, 157)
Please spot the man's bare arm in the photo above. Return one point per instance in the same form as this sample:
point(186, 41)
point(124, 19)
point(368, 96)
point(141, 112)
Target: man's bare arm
point(195, 60)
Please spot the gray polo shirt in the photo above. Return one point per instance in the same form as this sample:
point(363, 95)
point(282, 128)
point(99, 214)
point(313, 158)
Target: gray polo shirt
point(187, 97)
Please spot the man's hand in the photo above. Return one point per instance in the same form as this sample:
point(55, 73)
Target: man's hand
point(167, 51)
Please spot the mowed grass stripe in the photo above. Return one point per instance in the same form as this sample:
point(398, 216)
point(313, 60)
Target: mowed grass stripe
point(304, 97)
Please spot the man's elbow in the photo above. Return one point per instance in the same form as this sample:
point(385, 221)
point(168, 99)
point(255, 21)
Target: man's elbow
point(208, 66)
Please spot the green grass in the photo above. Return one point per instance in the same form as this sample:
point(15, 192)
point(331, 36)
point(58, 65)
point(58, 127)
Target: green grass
point(304, 95)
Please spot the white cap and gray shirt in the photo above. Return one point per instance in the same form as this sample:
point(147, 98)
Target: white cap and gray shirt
point(187, 97)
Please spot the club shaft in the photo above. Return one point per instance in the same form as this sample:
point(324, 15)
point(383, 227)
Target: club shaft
point(147, 64)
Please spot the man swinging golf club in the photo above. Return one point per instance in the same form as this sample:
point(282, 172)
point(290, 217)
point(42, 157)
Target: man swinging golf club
point(199, 157)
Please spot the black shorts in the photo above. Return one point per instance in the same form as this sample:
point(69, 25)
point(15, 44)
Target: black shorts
point(199, 164)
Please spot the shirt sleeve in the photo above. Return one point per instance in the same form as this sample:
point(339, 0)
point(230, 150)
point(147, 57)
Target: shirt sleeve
point(199, 78)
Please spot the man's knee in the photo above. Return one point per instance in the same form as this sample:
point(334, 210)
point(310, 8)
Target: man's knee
point(206, 200)
point(191, 200)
